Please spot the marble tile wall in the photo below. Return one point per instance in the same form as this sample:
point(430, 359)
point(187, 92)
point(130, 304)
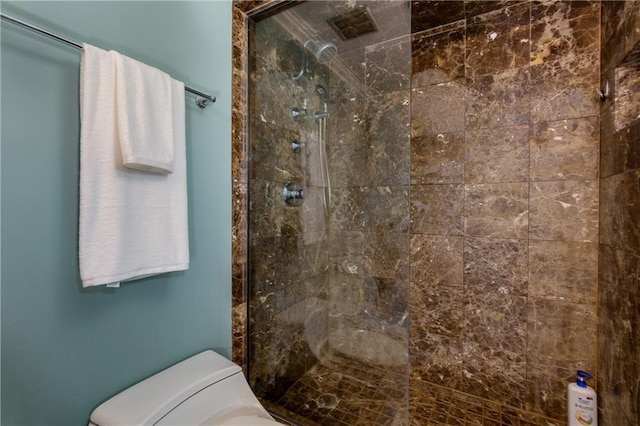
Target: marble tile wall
point(371, 211)
point(239, 186)
point(504, 198)
point(619, 250)
point(288, 246)
point(501, 184)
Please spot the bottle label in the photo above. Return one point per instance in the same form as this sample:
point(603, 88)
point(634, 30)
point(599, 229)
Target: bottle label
point(584, 417)
point(584, 411)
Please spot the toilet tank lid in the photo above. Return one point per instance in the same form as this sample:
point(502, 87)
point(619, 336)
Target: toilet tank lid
point(149, 400)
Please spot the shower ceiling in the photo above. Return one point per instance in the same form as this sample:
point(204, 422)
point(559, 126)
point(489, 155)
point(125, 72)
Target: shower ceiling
point(312, 19)
point(355, 23)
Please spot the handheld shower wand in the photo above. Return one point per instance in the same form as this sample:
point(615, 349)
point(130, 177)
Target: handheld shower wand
point(322, 92)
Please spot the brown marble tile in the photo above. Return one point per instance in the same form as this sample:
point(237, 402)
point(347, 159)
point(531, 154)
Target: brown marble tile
point(497, 155)
point(369, 342)
point(619, 21)
point(562, 28)
point(618, 299)
point(560, 332)
point(438, 108)
point(436, 311)
point(346, 293)
point(268, 215)
point(547, 387)
point(618, 293)
point(239, 30)
point(272, 157)
point(239, 189)
point(239, 260)
point(436, 261)
point(274, 93)
point(565, 210)
point(386, 299)
point(437, 58)
point(362, 395)
point(249, 5)
point(267, 274)
point(388, 138)
point(496, 266)
point(346, 243)
point(618, 371)
point(437, 209)
point(498, 41)
point(426, 15)
point(435, 359)
point(478, 7)
point(388, 66)
point(439, 359)
point(312, 213)
point(496, 210)
point(437, 158)
point(316, 300)
point(314, 255)
point(494, 346)
point(565, 150)
point(353, 68)
point(267, 350)
point(621, 149)
point(347, 213)
point(239, 79)
point(387, 254)
point(349, 164)
point(386, 208)
point(276, 110)
point(626, 99)
point(565, 88)
point(563, 270)
point(613, 145)
point(498, 100)
point(238, 148)
point(618, 334)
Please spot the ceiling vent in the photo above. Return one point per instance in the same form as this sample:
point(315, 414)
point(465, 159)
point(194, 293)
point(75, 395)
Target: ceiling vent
point(353, 24)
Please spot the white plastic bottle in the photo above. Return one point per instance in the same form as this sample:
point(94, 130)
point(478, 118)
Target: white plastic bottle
point(582, 402)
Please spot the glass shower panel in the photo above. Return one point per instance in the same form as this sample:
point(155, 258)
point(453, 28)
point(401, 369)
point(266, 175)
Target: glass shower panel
point(329, 211)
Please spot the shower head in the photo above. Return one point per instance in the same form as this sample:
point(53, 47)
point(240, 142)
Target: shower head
point(325, 52)
point(321, 91)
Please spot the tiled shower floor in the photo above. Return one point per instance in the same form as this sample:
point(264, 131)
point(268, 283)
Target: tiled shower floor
point(338, 391)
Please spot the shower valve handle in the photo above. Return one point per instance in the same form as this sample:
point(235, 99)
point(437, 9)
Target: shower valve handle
point(296, 145)
point(293, 194)
point(297, 113)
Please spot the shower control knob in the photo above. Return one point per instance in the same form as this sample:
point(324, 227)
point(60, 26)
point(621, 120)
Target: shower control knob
point(293, 194)
point(297, 113)
point(296, 145)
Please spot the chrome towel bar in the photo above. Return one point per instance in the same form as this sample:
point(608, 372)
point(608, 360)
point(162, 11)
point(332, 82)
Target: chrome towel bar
point(202, 99)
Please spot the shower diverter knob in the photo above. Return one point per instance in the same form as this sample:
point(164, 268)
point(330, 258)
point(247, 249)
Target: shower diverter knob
point(293, 194)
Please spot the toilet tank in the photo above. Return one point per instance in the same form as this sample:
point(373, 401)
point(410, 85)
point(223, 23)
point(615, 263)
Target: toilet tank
point(151, 399)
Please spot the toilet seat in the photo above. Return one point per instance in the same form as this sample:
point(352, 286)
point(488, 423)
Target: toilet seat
point(206, 389)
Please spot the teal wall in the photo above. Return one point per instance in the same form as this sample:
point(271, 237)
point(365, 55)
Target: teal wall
point(66, 349)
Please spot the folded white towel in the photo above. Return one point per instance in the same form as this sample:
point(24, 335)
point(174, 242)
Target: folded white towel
point(145, 118)
point(132, 224)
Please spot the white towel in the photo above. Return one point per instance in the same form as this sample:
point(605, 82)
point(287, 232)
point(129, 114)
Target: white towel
point(145, 118)
point(132, 224)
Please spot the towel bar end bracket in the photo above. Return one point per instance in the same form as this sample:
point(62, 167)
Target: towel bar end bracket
point(202, 102)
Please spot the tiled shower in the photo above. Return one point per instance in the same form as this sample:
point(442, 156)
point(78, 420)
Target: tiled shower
point(481, 240)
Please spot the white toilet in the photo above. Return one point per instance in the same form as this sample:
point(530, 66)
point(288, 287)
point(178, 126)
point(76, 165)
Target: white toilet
point(206, 389)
